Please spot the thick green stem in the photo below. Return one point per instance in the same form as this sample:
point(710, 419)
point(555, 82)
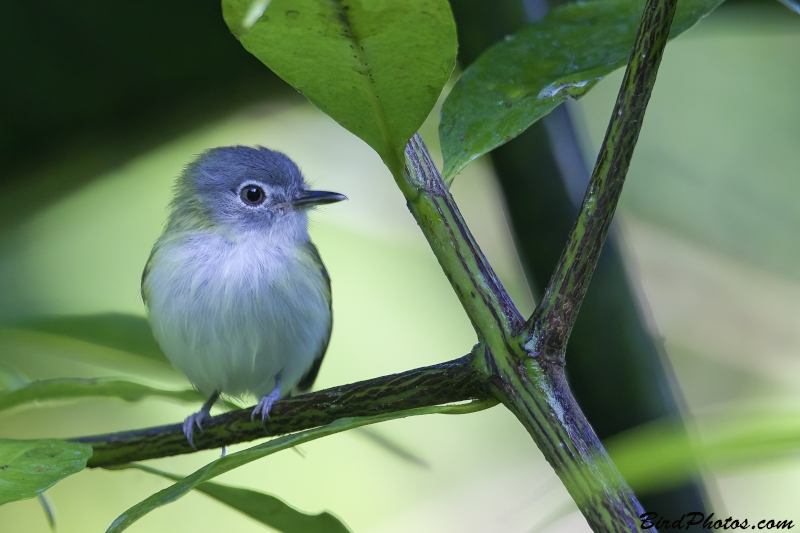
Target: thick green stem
point(483, 297)
point(443, 383)
point(534, 390)
point(550, 326)
point(541, 400)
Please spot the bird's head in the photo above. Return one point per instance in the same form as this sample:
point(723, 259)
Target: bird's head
point(240, 189)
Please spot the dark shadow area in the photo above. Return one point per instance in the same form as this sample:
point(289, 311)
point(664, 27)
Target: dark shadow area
point(88, 85)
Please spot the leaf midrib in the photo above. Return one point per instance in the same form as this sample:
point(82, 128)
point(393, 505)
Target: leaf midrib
point(368, 82)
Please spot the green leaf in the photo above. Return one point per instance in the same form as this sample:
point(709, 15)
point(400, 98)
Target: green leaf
point(66, 388)
point(229, 462)
point(29, 467)
point(240, 15)
point(661, 455)
point(127, 333)
point(375, 66)
point(521, 79)
point(268, 510)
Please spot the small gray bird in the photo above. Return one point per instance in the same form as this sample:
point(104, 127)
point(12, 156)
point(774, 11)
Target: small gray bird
point(236, 293)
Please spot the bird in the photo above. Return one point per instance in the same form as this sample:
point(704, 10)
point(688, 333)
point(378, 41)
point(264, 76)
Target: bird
point(235, 291)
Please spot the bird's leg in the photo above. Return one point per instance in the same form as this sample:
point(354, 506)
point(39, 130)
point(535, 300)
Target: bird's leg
point(197, 418)
point(265, 404)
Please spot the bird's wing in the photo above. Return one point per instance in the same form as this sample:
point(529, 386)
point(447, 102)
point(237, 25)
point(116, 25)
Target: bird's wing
point(311, 375)
point(146, 271)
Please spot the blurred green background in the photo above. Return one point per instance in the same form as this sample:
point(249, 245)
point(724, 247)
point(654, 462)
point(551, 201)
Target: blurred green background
point(708, 225)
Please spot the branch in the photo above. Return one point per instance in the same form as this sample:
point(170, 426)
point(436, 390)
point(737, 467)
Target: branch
point(519, 368)
point(449, 382)
point(550, 326)
point(485, 300)
point(536, 393)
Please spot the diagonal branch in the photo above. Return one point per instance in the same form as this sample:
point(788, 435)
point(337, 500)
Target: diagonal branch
point(537, 393)
point(485, 300)
point(520, 367)
point(449, 382)
point(550, 326)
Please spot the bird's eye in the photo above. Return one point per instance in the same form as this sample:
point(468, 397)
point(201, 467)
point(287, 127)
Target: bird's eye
point(253, 195)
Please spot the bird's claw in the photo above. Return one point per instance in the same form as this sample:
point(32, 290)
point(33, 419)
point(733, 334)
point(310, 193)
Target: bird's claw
point(264, 406)
point(195, 419)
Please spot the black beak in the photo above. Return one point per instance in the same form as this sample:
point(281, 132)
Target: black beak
point(311, 198)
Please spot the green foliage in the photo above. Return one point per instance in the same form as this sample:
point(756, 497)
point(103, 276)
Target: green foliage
point(66, 388)
point(127, 333)
point(29, 467)
point(518, 81)
point(235, 460)
point(660, 455)
point(268, 510)
point(124, 332)
point(375, 66)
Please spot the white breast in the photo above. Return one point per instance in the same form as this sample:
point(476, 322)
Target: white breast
point(233, 316)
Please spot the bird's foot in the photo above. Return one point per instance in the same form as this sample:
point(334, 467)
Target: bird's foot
point(191, 421)
point(265, 404)
point(197, 419)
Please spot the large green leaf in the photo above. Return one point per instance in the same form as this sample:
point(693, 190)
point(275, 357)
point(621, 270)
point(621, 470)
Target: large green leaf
point(660, 454)
point(268, 510)
point(375, 66)
point(127, 333)
point(70, 388)
point(29, 467)
point(235, 460)
point(521, 79)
